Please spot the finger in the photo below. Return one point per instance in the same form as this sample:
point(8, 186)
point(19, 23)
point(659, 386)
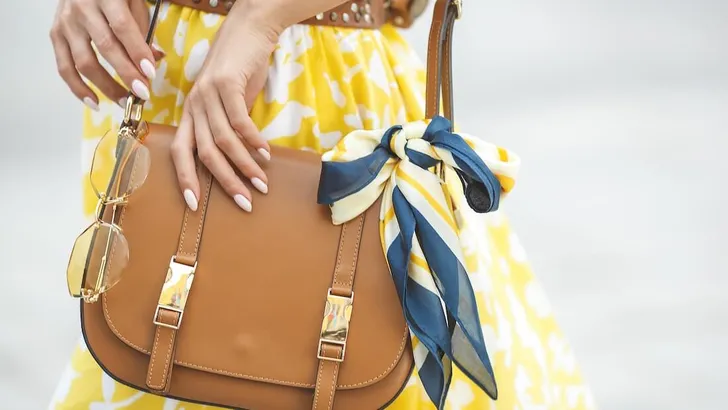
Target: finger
point(229, 143)
point(184, 161)
point(140, 12)
point(216, 162)
point(127, 24)
point(87, 63)
point(241, 122)
point(111, 49)
point(69, 73)
point(159, 54)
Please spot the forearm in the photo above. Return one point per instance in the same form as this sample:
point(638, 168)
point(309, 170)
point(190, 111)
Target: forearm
point(280, 14)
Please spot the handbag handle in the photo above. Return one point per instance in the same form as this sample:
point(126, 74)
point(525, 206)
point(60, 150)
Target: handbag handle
point(439, 58)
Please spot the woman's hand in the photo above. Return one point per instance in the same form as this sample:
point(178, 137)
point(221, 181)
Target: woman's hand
point(215, 117)
point(115, 28)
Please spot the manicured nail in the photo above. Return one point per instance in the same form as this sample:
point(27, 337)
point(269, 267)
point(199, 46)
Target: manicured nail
point(259, 185)
point(148, 69)
point(91, 103)
point(264, 153)
point(140, 89)
point(190, 199)
point(156, 47)
point(243, 203)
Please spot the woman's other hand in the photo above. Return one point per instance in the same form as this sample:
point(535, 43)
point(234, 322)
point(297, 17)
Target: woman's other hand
point(117, 28)
point(215, 119)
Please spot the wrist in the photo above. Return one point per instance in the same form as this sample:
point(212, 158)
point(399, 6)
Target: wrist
point(277, 15)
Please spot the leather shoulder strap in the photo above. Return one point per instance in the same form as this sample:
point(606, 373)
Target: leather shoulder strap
point(439, 58)
point(174, 293)
point(337, 314)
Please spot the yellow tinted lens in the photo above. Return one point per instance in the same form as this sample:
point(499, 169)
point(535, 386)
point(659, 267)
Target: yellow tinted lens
point(120, 165)
point(98, 258)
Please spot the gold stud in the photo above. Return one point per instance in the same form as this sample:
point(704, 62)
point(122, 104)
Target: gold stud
point(320, 16)
point(345, 17)
point(334, 16)
point(368, 18)
point(354, 7)
point(399, 21)
point(213, 3)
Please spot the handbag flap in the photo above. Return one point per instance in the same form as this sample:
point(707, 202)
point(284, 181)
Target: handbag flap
point(256, 305)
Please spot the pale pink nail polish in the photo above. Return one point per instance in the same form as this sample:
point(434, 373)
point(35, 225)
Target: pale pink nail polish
point(148, 69)
point(243, 203)
point(91, 103)
point(264, 153)
point(140, 89)
point(259, 185)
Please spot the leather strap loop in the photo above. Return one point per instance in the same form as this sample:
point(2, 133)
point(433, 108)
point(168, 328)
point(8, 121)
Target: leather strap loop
point(166, 319)
point(332, 355)
point(439, 59)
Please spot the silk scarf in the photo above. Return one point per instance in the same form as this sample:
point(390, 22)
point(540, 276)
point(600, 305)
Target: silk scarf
point(420, 235)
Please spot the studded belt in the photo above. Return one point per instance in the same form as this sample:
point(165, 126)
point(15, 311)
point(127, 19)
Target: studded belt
point(370, 14)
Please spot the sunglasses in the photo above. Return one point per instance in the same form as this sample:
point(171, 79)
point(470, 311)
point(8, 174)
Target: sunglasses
point(101, 252)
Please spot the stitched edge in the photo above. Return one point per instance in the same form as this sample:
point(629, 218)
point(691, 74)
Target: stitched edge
point(318, 383)
point(342, 241)
point(334, 378)
point(154, 355)
point(357, 245)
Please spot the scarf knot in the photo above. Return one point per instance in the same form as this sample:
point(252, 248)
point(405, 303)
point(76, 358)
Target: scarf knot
point(420, 234)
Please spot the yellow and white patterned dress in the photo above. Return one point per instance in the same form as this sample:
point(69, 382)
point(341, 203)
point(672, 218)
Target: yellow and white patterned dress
point(323, 83)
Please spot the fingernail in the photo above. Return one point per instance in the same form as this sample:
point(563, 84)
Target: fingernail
point(264, 153)
point(259, 185)
point(140, 89)
point(190, 199)
point(91, 103)
point(158, 54)
point(122, 102)
point(156, 47)
point(148, 69)
point(243, 203)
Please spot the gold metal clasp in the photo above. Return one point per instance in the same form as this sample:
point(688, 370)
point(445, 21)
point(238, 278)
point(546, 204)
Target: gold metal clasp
point(459, 6)
point(132, 124)
point(335, 325)
point(175, 291)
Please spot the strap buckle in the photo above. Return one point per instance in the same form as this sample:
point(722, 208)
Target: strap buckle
point(175, 291)
point(335, 324)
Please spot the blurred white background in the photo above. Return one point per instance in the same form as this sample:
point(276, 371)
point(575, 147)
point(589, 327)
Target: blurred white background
point(619, 109)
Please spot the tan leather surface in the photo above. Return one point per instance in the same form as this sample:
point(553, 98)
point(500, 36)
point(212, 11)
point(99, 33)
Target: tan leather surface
point(328, 373)
point(330, 358)
point(161, 363)
point(253, 318)
point(439, 60)
point(348, 255)
point(348, 14)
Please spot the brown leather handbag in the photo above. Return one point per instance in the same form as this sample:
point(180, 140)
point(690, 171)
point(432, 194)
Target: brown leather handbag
point(201, 310)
